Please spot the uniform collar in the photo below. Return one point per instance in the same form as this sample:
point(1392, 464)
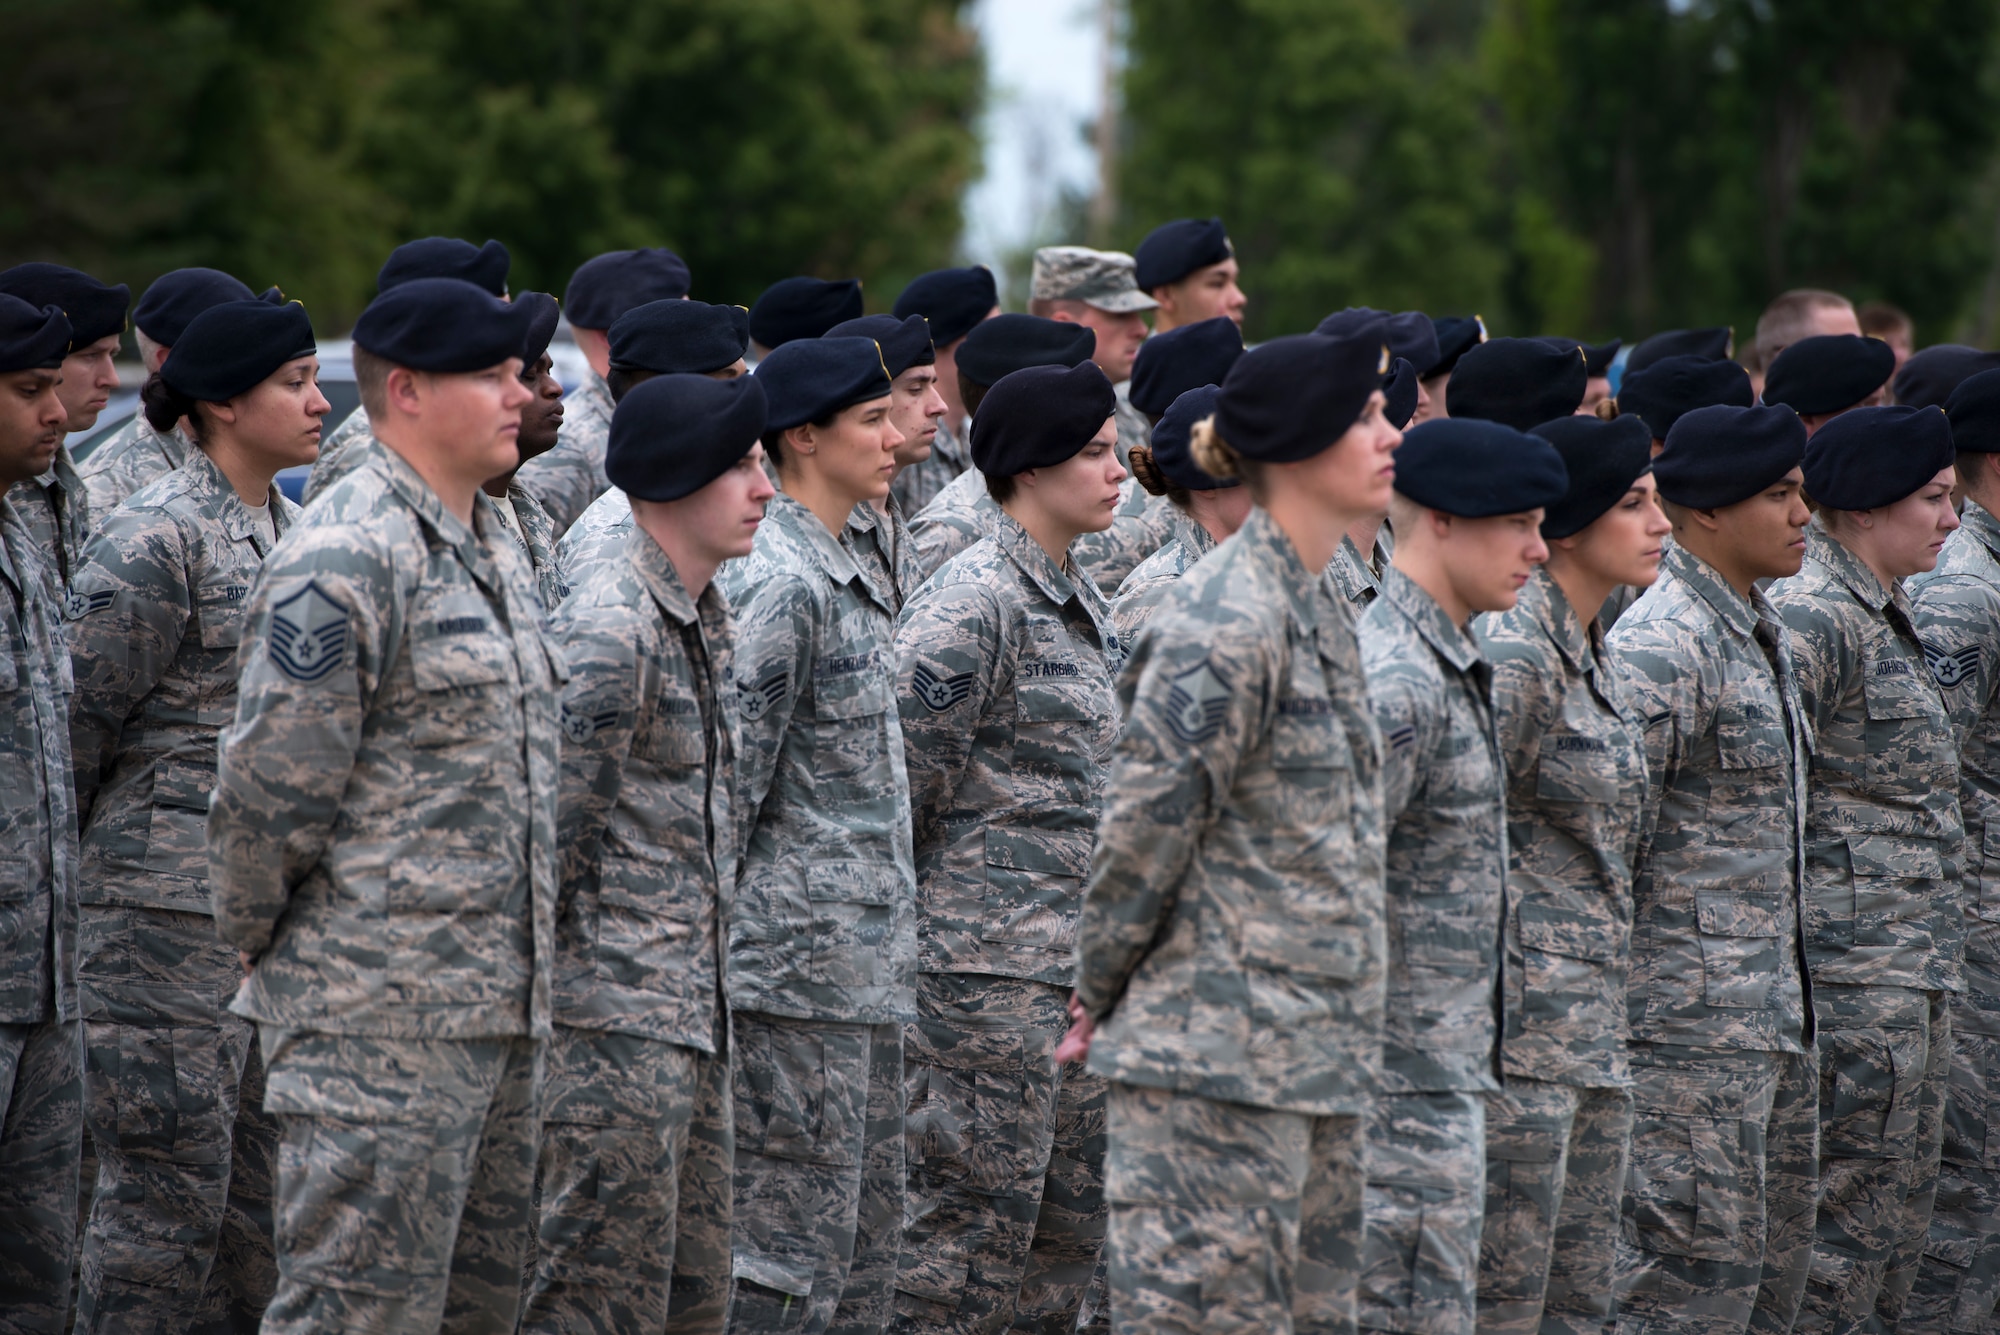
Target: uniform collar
point(1025, 552)
point(212, 485)
point(409, 484)
point(1422, 611)
point(833, 559)
point(1848, 568)
point(594, 394)
point(1194, 538)
point(1544, 600)
point(662, 581)
point(1741, 613)
point(1979, 523)
point(1264, 541)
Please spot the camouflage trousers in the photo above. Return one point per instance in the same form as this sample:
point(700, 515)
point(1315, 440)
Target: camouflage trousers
point(1957, 1284)
point(818, 1214)
point(1884, 1055)
point(1555, 1175)
point(984, 1105)
point(1718, 1210)
point(1424, 1207)
point(404, 1176)
point(179, 1237)
point(634, 1180)
point(1228, 1219)
point(41, 1139)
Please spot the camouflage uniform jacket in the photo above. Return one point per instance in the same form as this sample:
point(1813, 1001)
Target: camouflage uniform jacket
point(1148, 585)
point(339, 453)
point(597, 537)
point(1576, 782)
point(957, 517)
point(570, 476)
point(153, 632)
point(56, 510)
point(1358, 580)
point(127, 460)
point(1231, 944)
point(823, 926)
point(1717, 950)
point(383, 827)
point(917, 485)
point(38, 855)
point(647, 831)
point(1444, 799)
point(538, 544)
point(881, 547)
point(1882, 824)
point(1141, 525)
point(1004, 671)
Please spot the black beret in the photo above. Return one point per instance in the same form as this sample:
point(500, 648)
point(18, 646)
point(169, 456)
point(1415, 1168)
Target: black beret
point(1456, 336)
point(1409, 334)
point(230, 348)
point(815, 378)
point(1604, 459)
point(179, 295)
point(1399, 387)
point(1172, 439)
point(679, 337)
point(953, 300)
point(1174, 250)
point(606, 286)
point(1974, 410)
point(1597, 357)
point(1009, 343)
point(794, 308)
point(1292, 397)
point(905, 342)
point(1723, 454)
point(31, 337)
point(444, 325)
point(1828, 373)
point(1475, 469)
point(1039, 417)
point(544, 312)
point(95, 310)
point(1663, 391)
point(676, 433)
point(1713, 345)
point(1873, 457)
point(1928, 377)
point(1181, 359)
point(484, 266)
point(1521, 382)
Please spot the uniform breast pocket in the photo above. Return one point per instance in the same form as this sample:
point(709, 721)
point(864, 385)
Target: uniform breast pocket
point(1456, 941)
point(673, 738)
point(651, 912)
point(1063, 726)
point(1565, 952)
point(849, 730)
point(463, 664)
point(177, 831)
point(1739, 945)
point(218, 607)
point(1895, 880)
point(1311, 794)
point(1576, 768)
point(1751, 753)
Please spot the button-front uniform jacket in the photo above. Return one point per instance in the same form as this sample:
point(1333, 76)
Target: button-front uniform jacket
point(128, 459)
point(1444, 801)
point(1576, 783)
point(957, 517)
point(647, 829)
point(881, 546)
point(1147, 586)
point(1232, 942)
point(1716, 945)
point(56, 510)
point(823, 926)
point(1004, 668)
point(153, 630)
point(570, 476)
point(1356, 578)
point(595, 539)
point(1882, 823)
point(38, 856)
point(382, 834)
point(539, 531)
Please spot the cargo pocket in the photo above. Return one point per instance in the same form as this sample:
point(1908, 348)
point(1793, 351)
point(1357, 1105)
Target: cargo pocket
point(602, 1185)
point(1692, 1190)
point(1034, 886)
point(1891, 906)
point(141, 1262)
point(1867, 1095)
point(930, 1284)
point(773, 1291)
point(358, 1191)
point(1522, 1185)
point(793, 1087)
point(853, 914)
point(648, 911)
point(963, 1122)
point(1564, 955)
point(156, 1093)
point(1739, 946)
point(177, 830)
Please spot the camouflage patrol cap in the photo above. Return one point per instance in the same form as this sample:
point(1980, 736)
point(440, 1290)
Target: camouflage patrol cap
point(1101, 278)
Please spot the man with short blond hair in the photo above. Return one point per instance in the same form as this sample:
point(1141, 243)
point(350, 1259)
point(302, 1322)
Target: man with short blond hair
point(1794, 315)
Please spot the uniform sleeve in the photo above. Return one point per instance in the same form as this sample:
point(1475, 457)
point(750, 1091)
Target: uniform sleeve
point(1665, 691)
point(1524, 706)
point(317, 642)
point(1411, 724)
point(775, 634)
point(1196, 699)
point(1959, 624)
point(950, 663)
point(131, 608)
point(600, 717)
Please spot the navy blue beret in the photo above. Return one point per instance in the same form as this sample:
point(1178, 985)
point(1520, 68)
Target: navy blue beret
point(1720, 455)
point(1456, 336)
point(905, 342)
point(1475, 469)
point(1928, 377)
point(1597, 357)
point(676, 433)
point(815, 378)
point(1409, 334)
point(1399, 388)
point(177, 296)
point(95, 310)
point(1008, 343)
point(1828, 372)
point(1603, 459)
point(444, 325)
point(230, 348)
point(1174, 250)
point(1671, 386)
point(1974, 410)
point(953, 300)
point(1712, 345)
point(1172, 441)
point(544, 313)
point(1521, 382)
point(1040, 416)
point(31, 337)
point(1871, 457)
point(1292, 397)
point(1181, 359)
point(606, 286)
point(679, 337)
point(484, 266)
point(795, 308)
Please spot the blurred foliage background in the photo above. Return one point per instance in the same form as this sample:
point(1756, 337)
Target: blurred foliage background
point(1591, 167)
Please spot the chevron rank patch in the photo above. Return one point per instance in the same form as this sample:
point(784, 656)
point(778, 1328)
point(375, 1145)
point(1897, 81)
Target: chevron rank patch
point(756, 699)
point(1197, 703)
point(1950, 669)
point(936, 693)
point(80, 605)
point(579, 727)
point(309, 633)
